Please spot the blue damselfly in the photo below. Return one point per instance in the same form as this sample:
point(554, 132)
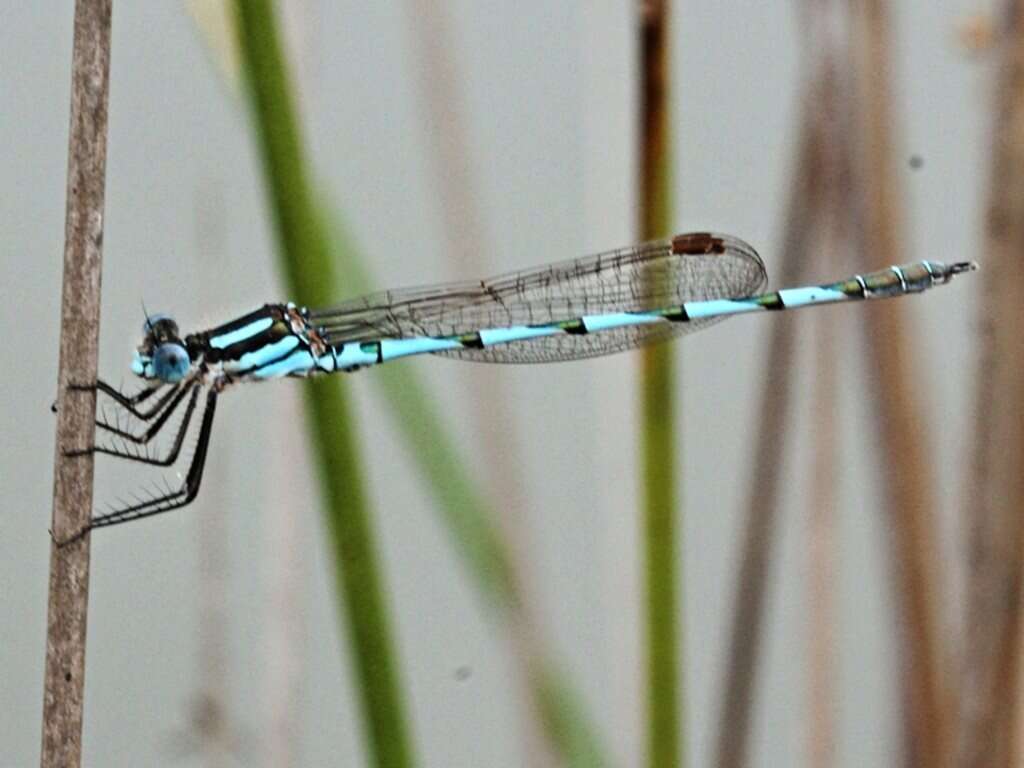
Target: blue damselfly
point(577, 309)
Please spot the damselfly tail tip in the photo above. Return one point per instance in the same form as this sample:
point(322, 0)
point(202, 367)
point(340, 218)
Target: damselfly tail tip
point(962, 266)
point(943, 273)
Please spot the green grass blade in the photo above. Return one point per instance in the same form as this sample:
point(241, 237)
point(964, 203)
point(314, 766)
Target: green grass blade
point(466, 514)
point(658, 409)
point(305, 260)
point(574, 740)
point(470, 523)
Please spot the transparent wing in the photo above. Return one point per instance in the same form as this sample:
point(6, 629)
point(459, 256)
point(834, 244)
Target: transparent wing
point(657, 274)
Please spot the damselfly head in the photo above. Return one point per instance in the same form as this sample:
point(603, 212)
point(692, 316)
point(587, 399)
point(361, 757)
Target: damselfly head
point(162, 355)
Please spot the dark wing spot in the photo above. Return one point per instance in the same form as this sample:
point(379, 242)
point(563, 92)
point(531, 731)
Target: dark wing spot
point(697, 243)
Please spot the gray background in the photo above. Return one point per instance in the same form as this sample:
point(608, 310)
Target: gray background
point(548, 94)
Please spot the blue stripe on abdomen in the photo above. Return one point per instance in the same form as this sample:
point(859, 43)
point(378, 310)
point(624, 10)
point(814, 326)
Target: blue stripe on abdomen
point(718, 307)
point(596, 323)
point(491, 336)
point(798, 297)
point(395, 348)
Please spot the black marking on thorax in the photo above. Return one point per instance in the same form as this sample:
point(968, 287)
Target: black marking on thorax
point(204, 342)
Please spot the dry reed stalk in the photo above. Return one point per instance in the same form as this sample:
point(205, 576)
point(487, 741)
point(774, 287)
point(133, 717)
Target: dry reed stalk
point(833, 242)
point(455, 184)
point(64, 680)
point(835, 245)
point(990, 702)
point(211, 728)
point(908, 485)
point(285, 617)
point(803, 216)
point(822, 550)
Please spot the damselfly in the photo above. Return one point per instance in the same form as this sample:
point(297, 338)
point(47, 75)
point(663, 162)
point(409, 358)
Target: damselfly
point(576, 309)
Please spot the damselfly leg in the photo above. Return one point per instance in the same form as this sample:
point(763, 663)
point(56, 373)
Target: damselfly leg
point(173, 499)
point(150, 433)
point(165, 407)
point(168, 404)
point(128, 402)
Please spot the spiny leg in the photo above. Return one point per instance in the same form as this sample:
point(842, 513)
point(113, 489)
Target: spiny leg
point(171, 500)
point(167, 404)
point(150, 433)
point(128, 402)
point(157, 426)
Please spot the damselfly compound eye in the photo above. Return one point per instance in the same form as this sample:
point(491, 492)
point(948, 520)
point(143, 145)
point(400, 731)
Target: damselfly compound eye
point(170, 362)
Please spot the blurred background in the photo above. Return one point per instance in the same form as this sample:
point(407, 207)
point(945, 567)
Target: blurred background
point(454, 141)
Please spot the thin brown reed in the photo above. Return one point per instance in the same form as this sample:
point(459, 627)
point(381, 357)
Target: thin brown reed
point(803, 217)
point(909, 503)
point(455, 186)
point(211, 735)
point(833, 246)
point(822, 547)
point(990, 695)
point(64, 679)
